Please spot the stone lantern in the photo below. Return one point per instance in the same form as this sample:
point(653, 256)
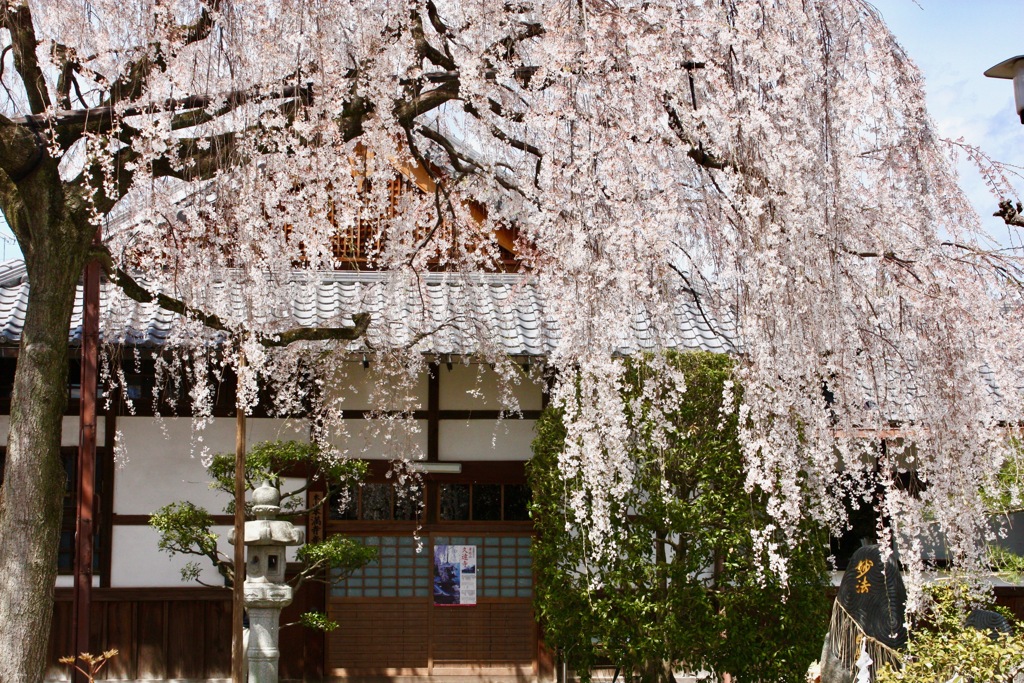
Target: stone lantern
point(266, 593)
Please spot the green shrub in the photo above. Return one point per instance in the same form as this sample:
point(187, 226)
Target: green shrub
point(683, 589)
point(942, 649)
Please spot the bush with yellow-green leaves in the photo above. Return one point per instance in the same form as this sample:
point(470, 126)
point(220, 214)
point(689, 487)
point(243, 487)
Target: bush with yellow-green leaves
point(942, 649)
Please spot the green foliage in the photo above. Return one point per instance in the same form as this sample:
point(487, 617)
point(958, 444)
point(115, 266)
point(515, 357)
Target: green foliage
point(942, 649)
point(318, 621)
point(185, 528)
point(683, 588)
point(266, 461)
point(337, 553)
point(1007, 495)
point(1005, 563)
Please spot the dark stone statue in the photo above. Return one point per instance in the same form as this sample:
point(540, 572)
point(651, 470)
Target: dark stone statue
point(991, 622)
point(869, 609)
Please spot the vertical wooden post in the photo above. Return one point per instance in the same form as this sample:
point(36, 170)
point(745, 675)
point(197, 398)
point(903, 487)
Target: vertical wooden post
point(237, 594)
point(433, 411)
point(84, 527)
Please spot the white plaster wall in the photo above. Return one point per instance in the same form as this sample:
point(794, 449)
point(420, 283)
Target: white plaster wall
point(136, 561)
point(507, 439)
point(376, 440)
point(355, 388)
point(69, 430)
point(475, 387)
point(164, 464)
point(68, 581)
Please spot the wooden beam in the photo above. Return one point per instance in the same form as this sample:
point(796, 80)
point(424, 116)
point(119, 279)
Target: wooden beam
point(85, 509)
point(237, 593)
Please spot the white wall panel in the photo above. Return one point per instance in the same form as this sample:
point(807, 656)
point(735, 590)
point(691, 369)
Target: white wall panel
point(475, 387)
point(163, 463)
point(508, 439)
point(373, 440)
point(360, 388)
point(68, 581)
point(136, 561)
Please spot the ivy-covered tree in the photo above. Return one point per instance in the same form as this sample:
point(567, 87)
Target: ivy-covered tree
point(186, 528)
point(685, 585)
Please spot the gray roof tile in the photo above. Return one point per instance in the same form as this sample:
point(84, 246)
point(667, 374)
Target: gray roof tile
point(509, 308)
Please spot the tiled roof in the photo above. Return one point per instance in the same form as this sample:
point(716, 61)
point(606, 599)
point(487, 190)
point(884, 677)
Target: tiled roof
point(508, 310)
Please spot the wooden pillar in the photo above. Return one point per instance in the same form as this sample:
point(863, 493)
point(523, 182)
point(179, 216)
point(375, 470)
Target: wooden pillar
point(433, 411)
point(237, 593)
point(84, 518)
point(316, 594)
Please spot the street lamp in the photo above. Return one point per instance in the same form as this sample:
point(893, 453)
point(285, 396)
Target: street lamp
point(1013, 69)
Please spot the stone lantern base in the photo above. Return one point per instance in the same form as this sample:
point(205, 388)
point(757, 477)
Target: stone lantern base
point(263, 603)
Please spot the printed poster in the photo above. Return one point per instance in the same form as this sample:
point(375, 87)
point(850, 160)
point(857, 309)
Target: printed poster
point(455, 575)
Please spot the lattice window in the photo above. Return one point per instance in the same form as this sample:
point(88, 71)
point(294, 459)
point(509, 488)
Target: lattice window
point(378, 502)
point(504, 568)
point(399, 572)
point(484, 502)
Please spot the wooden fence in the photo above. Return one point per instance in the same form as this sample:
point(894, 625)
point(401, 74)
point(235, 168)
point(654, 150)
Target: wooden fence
point(177, 633)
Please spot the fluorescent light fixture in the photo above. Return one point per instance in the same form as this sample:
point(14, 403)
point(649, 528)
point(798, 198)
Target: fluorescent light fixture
point(438, 467)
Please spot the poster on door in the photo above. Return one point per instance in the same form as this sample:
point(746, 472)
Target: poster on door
point(454, 575)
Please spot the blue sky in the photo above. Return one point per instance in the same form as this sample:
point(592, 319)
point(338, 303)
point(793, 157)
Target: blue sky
point(954, 42)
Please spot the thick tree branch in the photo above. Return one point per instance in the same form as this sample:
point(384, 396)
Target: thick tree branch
point(297, 334)
point(460, 162)
point(696, 152)
point(406, 111)
point(463, 163)
point(18, 20)
point(423, 47)
point(521, 73)
point(132, 83)
point(101, 119)
point(136, 292)
point(21, 149)
point(1011, 215)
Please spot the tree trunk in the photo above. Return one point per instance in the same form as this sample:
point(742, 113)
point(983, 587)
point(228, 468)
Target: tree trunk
point(31, 503)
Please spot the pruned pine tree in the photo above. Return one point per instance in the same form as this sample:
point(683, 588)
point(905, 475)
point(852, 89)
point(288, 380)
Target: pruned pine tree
point(770, 164)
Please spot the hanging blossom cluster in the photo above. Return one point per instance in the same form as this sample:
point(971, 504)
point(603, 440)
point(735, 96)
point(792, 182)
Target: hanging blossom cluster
point(770, 165)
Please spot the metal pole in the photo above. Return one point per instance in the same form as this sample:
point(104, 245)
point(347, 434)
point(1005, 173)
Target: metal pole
point(84, 529)
point(237, 594)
